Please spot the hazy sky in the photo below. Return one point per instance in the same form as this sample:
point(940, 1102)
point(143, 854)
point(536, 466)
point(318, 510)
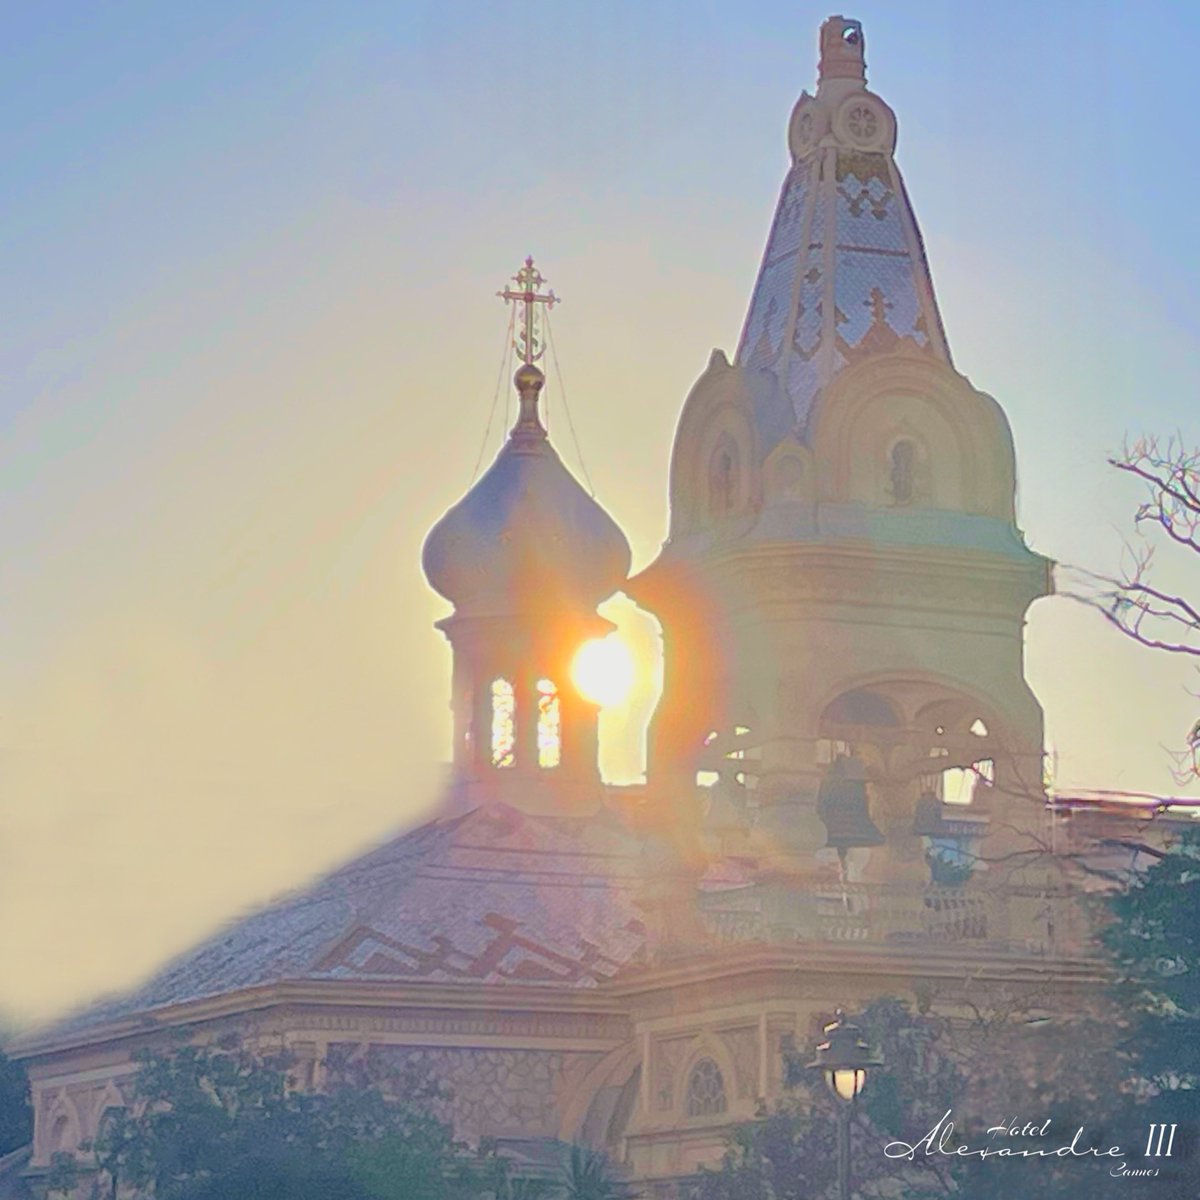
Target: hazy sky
point(249, 341)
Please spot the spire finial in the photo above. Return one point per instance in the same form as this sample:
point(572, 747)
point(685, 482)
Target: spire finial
point(528, 279)
point(528, 382)
point(842, 51)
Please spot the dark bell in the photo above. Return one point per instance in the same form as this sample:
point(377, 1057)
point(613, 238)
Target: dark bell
point(927, 820)
point(842, 805)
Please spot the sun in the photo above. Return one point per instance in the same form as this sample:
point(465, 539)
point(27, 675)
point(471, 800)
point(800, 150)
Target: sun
point(603, 670)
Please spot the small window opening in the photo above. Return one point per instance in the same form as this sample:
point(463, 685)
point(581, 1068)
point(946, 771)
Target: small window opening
point(722, 483)
point(830, 748)
point(504, 723)
point(549, 727)
point(903, 462)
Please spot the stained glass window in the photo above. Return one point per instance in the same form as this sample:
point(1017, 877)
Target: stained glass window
point(504, 723)
point(549, 726)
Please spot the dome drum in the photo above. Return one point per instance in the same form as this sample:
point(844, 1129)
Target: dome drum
point(525, 557)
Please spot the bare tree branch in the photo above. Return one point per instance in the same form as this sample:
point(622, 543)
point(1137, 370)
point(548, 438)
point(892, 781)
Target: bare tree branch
point(1130, 602)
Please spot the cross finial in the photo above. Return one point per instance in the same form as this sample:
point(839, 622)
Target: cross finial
point(528, 279)
point(879, 305)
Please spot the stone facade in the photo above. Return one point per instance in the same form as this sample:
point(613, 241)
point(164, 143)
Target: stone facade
point(495, 1093)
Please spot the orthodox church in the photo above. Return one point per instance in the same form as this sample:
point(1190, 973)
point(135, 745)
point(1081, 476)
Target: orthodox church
point(845, 750)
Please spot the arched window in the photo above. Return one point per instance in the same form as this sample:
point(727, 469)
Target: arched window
point(549, 726)
point(705, 1090)
point(861, 707)
point(903, 470)
point(722, 481)
point(504, 723)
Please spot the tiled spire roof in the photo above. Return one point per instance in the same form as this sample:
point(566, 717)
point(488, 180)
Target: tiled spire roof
point(844, 274)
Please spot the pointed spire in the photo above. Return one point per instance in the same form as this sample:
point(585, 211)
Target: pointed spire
point(843, 51)
point(844, 275)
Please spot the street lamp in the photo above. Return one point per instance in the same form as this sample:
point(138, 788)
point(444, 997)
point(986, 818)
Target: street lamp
point(844, 1059)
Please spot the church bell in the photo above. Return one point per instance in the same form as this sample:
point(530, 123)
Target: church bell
point(842, 805)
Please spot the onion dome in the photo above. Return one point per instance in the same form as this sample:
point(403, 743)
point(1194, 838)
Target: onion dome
point(527, 536)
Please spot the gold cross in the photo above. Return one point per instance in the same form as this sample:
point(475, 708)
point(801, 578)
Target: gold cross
point(528, 280)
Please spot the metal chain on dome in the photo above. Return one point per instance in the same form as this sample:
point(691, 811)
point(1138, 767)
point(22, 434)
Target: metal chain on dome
point(505, 355)
point(566, 407)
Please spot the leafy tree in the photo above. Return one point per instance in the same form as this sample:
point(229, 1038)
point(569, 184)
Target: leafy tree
point(16, 1115)
point(791, 1153)
point(1153, 938)
point(931, 1067)
point(224, 1123)
point(589, 1176)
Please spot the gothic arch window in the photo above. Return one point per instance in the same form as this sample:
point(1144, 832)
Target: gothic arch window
point(705, 1096)
point(504, 723)
point(549, 724)
point(902, 469)
point(722, 480)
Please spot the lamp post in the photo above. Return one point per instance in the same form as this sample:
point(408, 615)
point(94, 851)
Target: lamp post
point(844, 1059)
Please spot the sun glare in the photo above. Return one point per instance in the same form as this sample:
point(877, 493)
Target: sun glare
point(603, 670)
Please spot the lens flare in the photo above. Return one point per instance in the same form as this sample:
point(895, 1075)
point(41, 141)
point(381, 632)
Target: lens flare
point(603, 670)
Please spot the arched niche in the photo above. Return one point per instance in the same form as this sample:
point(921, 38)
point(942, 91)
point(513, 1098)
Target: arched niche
point(788, 474)
point(896, 415)
point(960, 718)
point(907, 726)
point(907, 476)
point(60, 1130)
point(723, 486)
point(910, 456)
point(861, 707)
point(715, 472)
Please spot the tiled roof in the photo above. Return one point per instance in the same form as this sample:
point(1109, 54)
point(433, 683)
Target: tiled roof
point(494, 896)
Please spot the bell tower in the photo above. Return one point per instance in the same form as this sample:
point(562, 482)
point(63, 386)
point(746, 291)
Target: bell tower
point(525, 557)
point(844, 580)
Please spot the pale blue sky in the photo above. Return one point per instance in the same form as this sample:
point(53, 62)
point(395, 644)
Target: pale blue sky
point(248, 341)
